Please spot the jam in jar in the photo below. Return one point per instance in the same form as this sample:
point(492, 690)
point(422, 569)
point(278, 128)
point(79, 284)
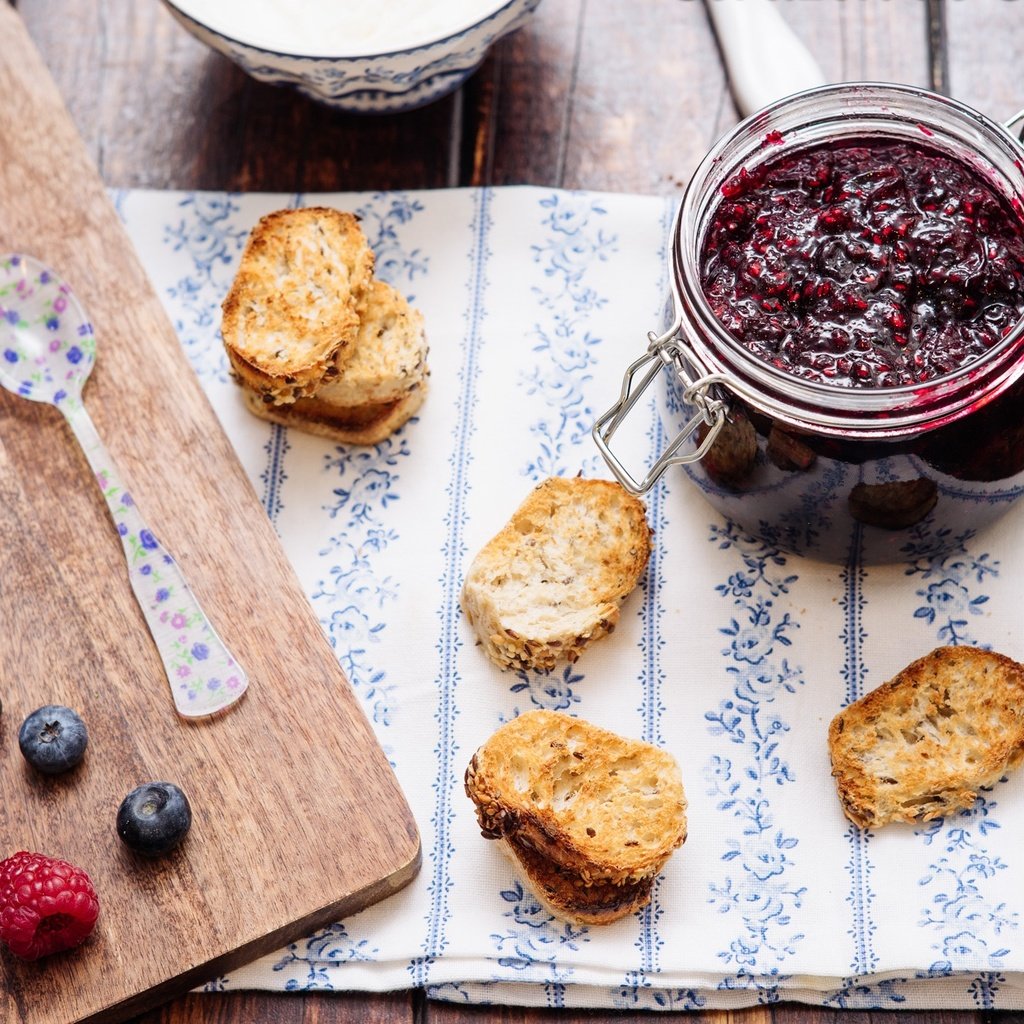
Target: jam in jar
point(843, 348)
point(865, 264)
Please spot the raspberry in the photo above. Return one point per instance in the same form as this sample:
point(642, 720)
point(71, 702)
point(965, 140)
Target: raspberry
point(46, 905)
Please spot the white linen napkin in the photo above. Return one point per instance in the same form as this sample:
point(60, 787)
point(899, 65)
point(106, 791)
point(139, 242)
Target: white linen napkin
point(732, 655)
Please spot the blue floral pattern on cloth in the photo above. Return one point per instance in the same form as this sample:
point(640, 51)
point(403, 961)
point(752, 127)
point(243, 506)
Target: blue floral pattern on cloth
point(759, 887)
point(564, 341)
point(946, 599)
point(382, 219)
point(552, 690)
point(448, 644)
point(309, 966)
point(639, 986)
point(730, 655)
point(861, 897)
point(535, 937)
point(564, 353)
point(966, 910)
point(209, 231)
point(354, 598)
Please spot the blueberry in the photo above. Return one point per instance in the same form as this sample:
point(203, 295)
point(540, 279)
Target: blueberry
point(53, 739)
point(154, 818)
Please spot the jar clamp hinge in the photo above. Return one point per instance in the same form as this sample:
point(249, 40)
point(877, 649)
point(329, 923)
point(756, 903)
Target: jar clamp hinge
point(664, 351)
point(1016, 125)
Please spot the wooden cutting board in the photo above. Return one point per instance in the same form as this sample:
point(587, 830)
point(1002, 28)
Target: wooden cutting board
point(298, 819)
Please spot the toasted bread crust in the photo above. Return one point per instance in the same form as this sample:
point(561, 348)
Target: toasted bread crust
point(388, 357)
point(360, 425)
point(294, 304)
point(605, 808)
point(568, 896)
point(553, 579)
point(921, 745)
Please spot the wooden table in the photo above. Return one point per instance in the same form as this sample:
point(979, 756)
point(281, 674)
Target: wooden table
point(623, 95)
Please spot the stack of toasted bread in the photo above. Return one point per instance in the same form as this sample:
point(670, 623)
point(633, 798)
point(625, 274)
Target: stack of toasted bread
point(589, 818)
point(314, 339)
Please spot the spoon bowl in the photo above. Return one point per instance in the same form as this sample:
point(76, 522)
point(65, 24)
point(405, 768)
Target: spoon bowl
point(47, 350)
point(49, 347)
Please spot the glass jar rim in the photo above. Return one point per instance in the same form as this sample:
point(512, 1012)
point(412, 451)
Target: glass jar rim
point(805, 404)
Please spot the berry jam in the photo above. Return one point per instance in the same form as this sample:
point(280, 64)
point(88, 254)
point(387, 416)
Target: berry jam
point(864, 264)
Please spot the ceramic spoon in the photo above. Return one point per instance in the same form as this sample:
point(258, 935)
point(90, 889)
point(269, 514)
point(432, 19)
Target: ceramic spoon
point(763, 55)
point(47, 349)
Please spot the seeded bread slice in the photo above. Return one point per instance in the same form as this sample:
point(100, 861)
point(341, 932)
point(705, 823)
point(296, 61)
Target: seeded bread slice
point(553, 579)
point(294, 305)
point(361, 424)
point(921, 745)
point(388, 357)
point(589, 803)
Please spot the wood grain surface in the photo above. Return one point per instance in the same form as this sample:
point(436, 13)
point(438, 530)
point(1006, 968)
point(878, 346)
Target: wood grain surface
point(596, 94)
point(296, 752)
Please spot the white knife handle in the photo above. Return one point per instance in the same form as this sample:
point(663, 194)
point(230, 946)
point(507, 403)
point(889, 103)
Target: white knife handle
point(763, 56)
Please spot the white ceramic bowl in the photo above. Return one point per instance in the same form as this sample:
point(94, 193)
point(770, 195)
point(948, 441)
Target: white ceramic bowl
point(372, 83)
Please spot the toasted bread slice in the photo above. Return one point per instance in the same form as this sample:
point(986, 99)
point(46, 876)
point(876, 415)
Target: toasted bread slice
point(590, 803)
point(921, 745)
point(294, 304)
point(553, 579)
point(360, 424)
point(388, 357)
point(568, 896)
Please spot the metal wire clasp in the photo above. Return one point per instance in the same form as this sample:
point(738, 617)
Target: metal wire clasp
point(663, 351)
point(1016, 125)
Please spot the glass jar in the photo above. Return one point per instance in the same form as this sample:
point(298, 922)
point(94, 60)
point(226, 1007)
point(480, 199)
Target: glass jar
point(809, 466)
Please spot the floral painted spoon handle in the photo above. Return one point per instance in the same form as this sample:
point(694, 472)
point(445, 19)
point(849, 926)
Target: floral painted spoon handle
point(48, 351)
point(204, 677)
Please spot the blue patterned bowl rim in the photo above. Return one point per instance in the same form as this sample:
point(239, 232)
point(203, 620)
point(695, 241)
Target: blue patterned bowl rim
point(235, 40)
